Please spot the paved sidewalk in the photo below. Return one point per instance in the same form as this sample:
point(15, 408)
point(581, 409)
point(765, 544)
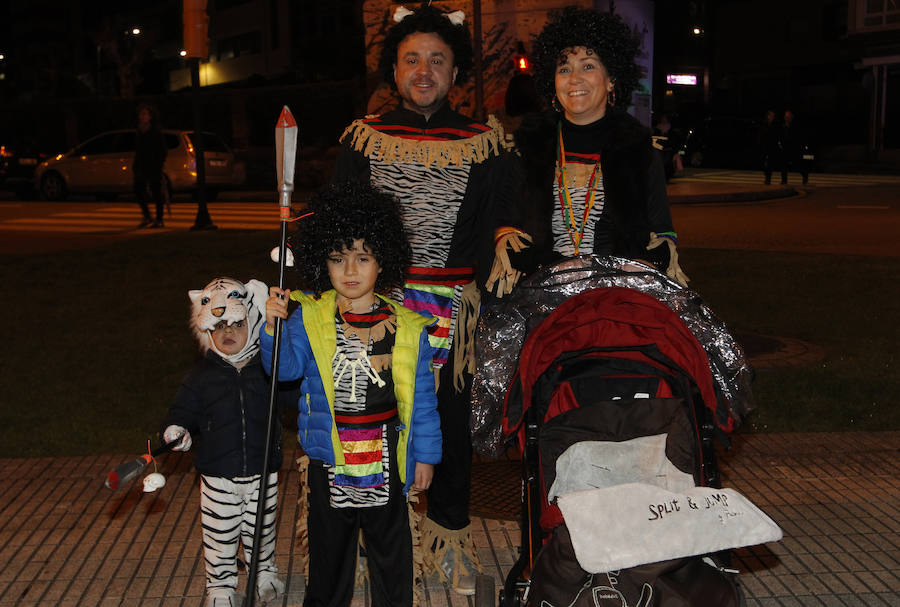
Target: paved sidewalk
point(66, 540)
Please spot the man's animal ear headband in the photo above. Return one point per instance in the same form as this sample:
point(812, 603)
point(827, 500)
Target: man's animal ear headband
point(456, 17)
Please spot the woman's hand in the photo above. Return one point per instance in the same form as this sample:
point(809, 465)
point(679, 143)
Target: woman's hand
point(424, 474)
point(673, 270)
point(276, 307)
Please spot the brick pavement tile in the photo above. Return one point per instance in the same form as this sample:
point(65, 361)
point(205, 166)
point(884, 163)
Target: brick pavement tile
point(810, 545)
point(156, 587)
point(754, 585)
point(854, 583)
point(811, 582)
point(29, 571)
point(828, 544)
point(833, 583)
point(831, 601)
point(793, 565)
point(136, 588)
point(872, 582)
point(854, 542)
point(57, 591)
point(891, 558)
point(888, 578)
point(793, 601)
point(869, 561)
point(799, 584)
point(860, 600)
point(775, 584)
point(50, 570)
point(886, 541)
point(35, 589)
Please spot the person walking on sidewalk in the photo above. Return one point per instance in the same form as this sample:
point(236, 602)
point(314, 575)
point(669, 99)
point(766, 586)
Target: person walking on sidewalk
point(448, 172)
point(794, 148)
point(770, 145)
point(149, 157)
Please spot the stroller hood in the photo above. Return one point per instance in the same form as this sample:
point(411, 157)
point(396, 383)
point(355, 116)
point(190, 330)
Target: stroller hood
point(654, 307)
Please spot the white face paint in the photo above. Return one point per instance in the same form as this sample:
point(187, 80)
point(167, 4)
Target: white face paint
point(154, 481)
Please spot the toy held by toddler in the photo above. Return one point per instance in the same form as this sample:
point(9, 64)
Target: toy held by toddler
point(367, 417)
point(221, 409)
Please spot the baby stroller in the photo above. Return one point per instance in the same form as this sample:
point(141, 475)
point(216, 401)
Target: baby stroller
point(615, 381)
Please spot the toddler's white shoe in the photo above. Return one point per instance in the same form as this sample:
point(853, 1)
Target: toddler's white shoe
point(220, 596)
point(268, 587)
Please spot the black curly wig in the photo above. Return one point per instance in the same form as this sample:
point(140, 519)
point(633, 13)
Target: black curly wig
point(428, 20)
point(342, 214)
point(603, 34)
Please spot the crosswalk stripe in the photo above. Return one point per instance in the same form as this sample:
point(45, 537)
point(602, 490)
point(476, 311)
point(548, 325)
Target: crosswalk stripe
point(815, 179)
point(119, 218)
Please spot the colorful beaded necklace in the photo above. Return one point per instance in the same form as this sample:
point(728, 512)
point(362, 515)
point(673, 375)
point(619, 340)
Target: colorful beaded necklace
point(576, 232)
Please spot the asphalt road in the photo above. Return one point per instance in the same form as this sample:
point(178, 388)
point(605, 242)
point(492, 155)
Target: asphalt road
point(834, 221)
point(858, 220)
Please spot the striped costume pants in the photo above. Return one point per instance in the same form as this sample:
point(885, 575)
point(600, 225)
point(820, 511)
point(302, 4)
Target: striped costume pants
point(227, 514)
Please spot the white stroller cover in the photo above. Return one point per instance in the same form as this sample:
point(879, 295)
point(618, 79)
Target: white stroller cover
point(599, 464)
point(637, 523)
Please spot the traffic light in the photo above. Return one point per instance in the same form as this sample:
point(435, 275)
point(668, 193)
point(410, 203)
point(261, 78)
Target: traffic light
point(196, 29)
point(521, 63)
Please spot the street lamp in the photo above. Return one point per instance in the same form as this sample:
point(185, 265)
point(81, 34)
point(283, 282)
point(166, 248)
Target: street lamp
point(136, 31)
point(697, 31)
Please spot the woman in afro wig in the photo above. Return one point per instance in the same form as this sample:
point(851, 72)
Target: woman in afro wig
point(592, 180)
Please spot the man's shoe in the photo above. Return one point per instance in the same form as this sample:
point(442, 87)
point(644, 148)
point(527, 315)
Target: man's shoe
point(158, 224)
point(461, 581)
point(146, 221)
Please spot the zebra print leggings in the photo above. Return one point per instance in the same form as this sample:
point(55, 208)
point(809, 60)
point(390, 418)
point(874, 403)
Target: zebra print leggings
point(228, 511)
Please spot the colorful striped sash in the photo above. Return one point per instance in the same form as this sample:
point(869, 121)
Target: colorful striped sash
point(436, 292)
point(363, 450)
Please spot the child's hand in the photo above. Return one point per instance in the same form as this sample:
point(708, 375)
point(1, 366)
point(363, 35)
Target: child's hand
point(424, 474)
point(276, 306)
point(173, 433)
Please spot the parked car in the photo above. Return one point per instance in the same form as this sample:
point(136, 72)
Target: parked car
point(17, 167)
point(723, 142)
point(102, 166)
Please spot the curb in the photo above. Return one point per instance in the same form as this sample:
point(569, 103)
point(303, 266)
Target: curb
point(749, 196)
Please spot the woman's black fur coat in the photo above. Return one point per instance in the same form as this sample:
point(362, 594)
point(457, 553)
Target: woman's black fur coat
point(633, 180)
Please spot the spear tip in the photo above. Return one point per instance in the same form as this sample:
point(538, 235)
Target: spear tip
point(286, 119)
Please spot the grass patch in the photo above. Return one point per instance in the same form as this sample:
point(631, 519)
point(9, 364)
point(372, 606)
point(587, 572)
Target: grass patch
point(844, 304)
point(98, 340)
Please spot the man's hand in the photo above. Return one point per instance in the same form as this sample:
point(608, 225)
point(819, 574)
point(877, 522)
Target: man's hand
point(502, 272)
point(424, 474)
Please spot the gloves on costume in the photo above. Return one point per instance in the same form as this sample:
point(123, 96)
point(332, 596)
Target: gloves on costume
point(173, 432)
point(502, 272)
point(673, 271)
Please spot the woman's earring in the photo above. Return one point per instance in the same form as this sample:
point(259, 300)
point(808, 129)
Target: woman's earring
point(611, 98)
point(554, 103)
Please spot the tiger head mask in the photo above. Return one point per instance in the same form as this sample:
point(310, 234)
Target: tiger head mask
point(229, 300)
